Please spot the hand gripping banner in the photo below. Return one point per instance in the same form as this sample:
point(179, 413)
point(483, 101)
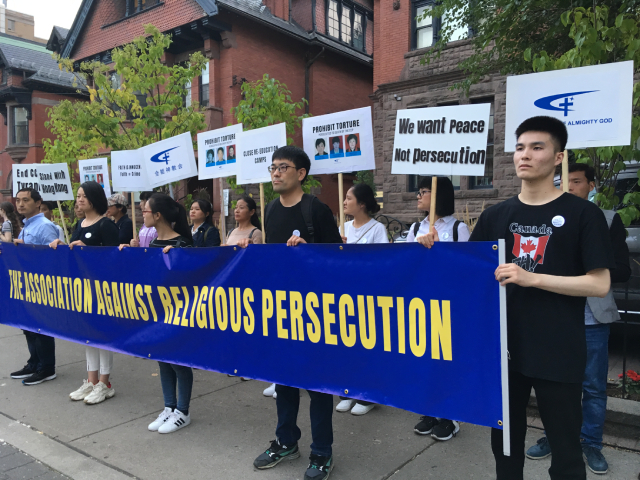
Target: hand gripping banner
point(398, 325)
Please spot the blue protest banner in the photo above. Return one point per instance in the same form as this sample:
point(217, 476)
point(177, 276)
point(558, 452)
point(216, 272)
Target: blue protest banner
point(399, 325)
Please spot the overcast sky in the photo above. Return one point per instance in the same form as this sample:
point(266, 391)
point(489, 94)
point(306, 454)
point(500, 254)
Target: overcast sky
point(47, 13)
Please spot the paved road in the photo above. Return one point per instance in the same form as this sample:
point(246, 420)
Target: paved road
point(17, 465)
point(231, 424)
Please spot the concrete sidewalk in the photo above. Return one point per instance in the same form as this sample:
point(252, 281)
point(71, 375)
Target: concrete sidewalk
point(232, 423)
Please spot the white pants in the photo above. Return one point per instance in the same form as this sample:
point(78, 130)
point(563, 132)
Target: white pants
point(101, 360)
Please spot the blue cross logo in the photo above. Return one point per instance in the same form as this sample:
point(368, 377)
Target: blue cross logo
point(545, 102)
point(162, 156)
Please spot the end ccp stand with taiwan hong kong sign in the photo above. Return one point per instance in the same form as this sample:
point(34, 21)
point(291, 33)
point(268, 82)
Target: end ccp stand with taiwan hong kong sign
point(451, 141)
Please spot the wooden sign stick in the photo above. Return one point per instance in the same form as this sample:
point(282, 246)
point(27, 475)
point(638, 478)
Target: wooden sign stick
point(262, 205)
point(133, 214)
point(432, 208)
point(565, 172)
point(64, 226)
point(223, 227)
point(340, 208)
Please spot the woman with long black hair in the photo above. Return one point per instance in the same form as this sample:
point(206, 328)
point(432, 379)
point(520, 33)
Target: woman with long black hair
point(10, 224)
point(246, 217)
point(204, 233)
point(94, 231)
point(170, 221)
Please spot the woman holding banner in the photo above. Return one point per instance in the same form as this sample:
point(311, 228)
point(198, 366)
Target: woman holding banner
point(361, 204)
point(170, 221)
point(204, 233)
point(146, 234)
point(94, 231)
point(246, 217)
point(446, 229)
point(10, 223)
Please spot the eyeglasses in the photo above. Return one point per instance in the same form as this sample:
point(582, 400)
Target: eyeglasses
point(280, 168)
point(423, 192)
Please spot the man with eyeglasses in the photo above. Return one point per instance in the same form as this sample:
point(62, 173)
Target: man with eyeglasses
point(296, 218)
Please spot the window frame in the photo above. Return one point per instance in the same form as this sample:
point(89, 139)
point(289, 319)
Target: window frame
point(13, 135)
point(355, 9)
point(473, 185)
point(436, 23)
point(201, 90)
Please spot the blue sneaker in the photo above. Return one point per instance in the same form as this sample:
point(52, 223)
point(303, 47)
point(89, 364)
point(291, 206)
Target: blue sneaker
point(595, 460)
point(540, 450)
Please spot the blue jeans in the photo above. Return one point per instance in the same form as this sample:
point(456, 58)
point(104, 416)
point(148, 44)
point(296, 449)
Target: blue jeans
point(320, 410)
point(43, 352)
point(594, 386)
point(172, 375)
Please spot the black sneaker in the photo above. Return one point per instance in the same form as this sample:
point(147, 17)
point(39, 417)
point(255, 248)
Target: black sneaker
point(39, 377)
point(26, 372)
point(445, 430)
point(319, 468)
point(425, 427)
point(275, 454)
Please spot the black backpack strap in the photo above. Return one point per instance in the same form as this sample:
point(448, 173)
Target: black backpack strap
point(251, 233)
point(455, 230)
point(204, 240)
point(267, 211)
point(416, 227)
point(307, 213)
point(229, 234)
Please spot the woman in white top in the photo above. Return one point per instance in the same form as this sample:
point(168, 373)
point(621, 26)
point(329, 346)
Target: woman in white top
point(10, 223)
point(249, 226)
point(361, 204)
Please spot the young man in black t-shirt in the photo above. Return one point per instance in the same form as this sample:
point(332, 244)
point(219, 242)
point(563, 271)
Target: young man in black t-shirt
point(294, 219)
point(558, 252)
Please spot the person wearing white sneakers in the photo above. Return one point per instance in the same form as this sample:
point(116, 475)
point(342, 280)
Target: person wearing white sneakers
point(270, 391)
point(162, 212)
point(360, 203)
point(94, 231)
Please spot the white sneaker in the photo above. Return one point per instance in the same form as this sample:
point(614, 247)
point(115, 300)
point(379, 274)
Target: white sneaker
point(82, 392)
point(99, 394)
point(158, 422)
point(176, 421)
point(270, 390)
point(345, 405)
point(359, 409)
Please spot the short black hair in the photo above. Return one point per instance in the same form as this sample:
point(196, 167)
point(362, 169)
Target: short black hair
point(335, 140)
point(588, 170)
point(550, 125)
point(445, 198)
point(122, 208)
point(296, 155)
point(220, 149)
point(355, 137)
point(35, 195)
point(320, 141)
point(50, 205)
point(144, 196)
point(96, 196)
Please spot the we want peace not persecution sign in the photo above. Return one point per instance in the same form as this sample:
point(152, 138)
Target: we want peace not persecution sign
point(441, 140)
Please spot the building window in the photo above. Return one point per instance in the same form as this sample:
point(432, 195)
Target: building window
point(135, 6)
point(426, 32)
point(424, 27)
point(11, 24)
point(204, 86)
point(346, 22)
point(19, 126)
point(487, 180)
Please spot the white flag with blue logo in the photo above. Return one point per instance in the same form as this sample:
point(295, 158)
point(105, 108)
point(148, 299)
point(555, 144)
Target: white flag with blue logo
point(595, 103)
point(169, 160)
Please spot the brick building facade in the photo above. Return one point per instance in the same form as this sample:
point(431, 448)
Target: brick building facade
point(297, 42)
point(401, 82)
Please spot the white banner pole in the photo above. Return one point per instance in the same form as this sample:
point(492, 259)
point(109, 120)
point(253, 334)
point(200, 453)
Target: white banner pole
point(64, 226)
point(504, 359)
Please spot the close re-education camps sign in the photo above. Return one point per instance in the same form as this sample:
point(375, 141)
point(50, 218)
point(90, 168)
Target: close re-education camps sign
point(441, 140)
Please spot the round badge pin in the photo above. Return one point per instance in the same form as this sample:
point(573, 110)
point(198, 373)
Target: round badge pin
point(87, 235)
point(445, 235)
point(557, 221)
point(296, 233)
point(364, 240)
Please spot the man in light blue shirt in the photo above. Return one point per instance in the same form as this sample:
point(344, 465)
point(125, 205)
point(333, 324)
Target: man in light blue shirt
point(37, 230)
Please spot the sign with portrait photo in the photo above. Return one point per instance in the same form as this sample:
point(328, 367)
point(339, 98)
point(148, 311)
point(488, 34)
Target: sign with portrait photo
point(339, 142)
point(255, 149)
point(51, 180)
point(95, 170)
point(441, 140)
point(217, 152)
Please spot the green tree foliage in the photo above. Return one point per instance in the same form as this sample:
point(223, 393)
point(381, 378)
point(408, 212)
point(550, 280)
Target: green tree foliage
point(136, 101)
point(268, 102)
point(504, 29)
point(602, 38)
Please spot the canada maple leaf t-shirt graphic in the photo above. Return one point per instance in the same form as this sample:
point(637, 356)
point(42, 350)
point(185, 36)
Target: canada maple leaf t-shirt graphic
point(529, 251)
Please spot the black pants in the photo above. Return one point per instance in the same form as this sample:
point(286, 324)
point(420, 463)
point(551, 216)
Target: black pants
point(561, 412)
point(320, 411)
point(43, 352)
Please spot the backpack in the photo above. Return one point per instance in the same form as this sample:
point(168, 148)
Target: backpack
point(307, 213)
point(416, 227)
point(248, 236)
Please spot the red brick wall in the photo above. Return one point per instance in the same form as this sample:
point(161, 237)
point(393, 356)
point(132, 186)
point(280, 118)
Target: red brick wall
point(301, 12)
point(94, 39)
point(321, 16)
point(394, 26)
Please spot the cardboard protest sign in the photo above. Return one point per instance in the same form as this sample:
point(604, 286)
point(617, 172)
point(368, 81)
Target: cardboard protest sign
point(595, 103)
point(255, 149)
point(169, 160)
point(51, 180)
point(339, 142)
point(217, 152)
point(95, 170)
point(127, 171)
point(441, 140)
